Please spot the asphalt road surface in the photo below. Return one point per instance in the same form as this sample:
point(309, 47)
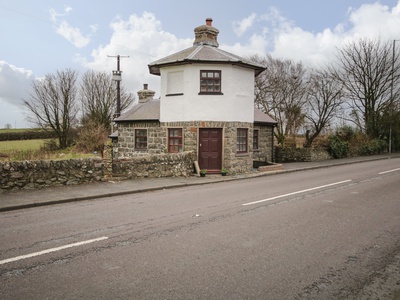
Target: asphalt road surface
point(330, 233)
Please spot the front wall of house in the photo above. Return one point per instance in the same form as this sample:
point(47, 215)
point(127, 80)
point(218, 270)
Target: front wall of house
point(125, 147)
point(158, 141)
point(180, 87)
point(265, 138)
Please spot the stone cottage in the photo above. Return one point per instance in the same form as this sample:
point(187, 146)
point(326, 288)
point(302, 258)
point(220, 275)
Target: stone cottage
point(206, 106)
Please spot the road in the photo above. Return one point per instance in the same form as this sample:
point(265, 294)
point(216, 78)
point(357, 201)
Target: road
point(331, 233)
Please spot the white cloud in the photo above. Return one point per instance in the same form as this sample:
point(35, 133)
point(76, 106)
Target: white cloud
point(240, 27)
point(73, 35)
point(15, 83)
point(142, 38)
point(15, 88)
point(368, 21)
point(54, 14)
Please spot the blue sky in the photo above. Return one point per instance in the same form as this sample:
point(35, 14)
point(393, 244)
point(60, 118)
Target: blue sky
point(40, 37)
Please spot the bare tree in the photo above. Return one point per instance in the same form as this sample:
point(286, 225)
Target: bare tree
point(366, 70)
point(8, 126)
point(325, 98)
point(53, 104)
point(281, 92)
point(98, 97)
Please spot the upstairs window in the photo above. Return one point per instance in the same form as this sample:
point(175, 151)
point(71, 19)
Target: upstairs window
point(210, 82)
point(255, 139)
point(141, 139)
point(175, 140)
point(241, 143)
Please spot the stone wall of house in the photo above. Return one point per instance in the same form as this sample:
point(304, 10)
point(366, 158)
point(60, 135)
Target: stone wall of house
point(265, 144)
point(235, 163)
point(125, 148)
point(36, 174)
point(158, 140)
point(154, 166)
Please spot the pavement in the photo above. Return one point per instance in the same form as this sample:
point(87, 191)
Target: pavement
point(13, 200)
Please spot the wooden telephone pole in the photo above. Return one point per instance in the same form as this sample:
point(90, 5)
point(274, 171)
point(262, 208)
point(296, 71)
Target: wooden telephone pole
point(117, 77)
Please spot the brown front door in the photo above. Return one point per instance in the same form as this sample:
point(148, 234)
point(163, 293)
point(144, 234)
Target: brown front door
point(210, 149)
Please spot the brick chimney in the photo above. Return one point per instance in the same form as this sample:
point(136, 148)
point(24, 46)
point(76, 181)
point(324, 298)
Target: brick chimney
point(145, 94)
point(206, 34)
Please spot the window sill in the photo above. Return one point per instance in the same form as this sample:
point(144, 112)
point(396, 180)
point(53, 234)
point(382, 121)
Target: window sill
point(172, 95)
point(242, 154)
point(256, 150)
point(211, 93)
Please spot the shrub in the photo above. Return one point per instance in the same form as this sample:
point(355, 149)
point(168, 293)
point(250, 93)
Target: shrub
point(337, 147)
point(92, 138)
point(375, 146)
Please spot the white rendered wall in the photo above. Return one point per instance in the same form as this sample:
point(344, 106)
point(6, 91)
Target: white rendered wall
point(235, 105)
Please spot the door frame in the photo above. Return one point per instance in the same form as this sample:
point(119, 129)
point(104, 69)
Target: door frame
point(221, 135)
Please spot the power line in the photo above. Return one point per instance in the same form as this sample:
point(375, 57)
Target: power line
point(25, 14)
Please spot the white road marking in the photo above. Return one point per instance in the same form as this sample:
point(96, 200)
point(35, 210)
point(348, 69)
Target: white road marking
point(298, 192)
point(5, 261)
point(394, 170)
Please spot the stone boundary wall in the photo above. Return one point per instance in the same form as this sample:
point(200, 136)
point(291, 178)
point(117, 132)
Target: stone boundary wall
point(301, 154)
point(37, 174)
point(154, 166)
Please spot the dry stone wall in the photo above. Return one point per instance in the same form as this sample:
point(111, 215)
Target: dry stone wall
point(36, 174)
point(153, 166)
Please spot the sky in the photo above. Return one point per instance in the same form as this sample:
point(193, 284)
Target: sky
point(45, 36)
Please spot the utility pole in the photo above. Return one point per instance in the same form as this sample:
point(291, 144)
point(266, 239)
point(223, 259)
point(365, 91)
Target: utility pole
point(117, 77)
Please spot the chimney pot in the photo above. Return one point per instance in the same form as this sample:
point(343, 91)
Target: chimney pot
point(145, 86)
point(209, 21)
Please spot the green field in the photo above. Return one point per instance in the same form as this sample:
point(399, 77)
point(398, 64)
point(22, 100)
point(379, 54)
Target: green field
point(8, 146)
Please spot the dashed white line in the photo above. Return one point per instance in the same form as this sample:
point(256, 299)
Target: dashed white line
point(298, 192)
point(5, 261)
point(394, 170)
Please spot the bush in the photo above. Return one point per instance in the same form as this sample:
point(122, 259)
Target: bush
point(92, 138)
point(337, 147)
point(375, 146)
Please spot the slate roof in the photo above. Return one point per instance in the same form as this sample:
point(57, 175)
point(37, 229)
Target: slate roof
point(147, 111)
point(203, 54)
point(262, 118)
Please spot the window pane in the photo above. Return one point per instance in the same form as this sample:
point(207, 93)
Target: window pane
point(175, 140)
point(140, 138)
point(210, 81)
point(241, 143)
